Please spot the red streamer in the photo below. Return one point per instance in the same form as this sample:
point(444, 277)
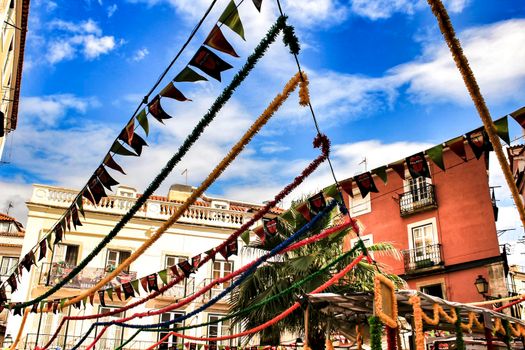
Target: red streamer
point(271, 322)
point(391, 338)
point(320, 141)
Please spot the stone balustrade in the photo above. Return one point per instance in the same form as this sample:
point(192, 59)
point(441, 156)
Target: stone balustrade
point(155, 209)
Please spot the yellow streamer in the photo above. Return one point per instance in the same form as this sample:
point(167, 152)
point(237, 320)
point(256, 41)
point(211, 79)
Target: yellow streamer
point(239, 146)
point(20, 330)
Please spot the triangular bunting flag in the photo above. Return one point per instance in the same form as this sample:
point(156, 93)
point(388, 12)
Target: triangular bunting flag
point(58, 233)
point(174, 271)
point(48, 240)
point(230, 17)
point(232, 248)
point(366, 184)
point(417, 166)
point(118, 291)
point(399, 168)
point(381, 173)
point(12, 282)
point(135, 285)
point(157, 111)
point(105, 179)
point(88, 195)
point(128, 290)
point(96, 189)
point(43, 249)
point(63, 222)
point(211, 253)
point(458, 147)
point(186, 268)
point(163, 275)
point(331, 191)
point(110, 163)
point(217, 41)
point(67, 217)
point(479, 142)
point(119, 148)
point(84, 302)
point(3, 295)
point(304, 210)
point(129, 131)
point(259, 231)
point(257, 4)
point(172, 92)
point(28, 260)
point(142, 118)
point(144, 284)
point(136, 143)
point(195, 261)
point(101, 297)
point(519, 116)
point(245, 236)
point(436, 154)
point(223, 250)
point(80, 204)
point(91, 298)
point(502, 129)
point(189, 75)
point(55, 306)
point(347, 186)
point(152, 282)
point(317, 203)
point(270, 226)
point(34, 308)
point(110, 293)
point(18, 310)
point(74, 216)
point(209, 63)
point(49, 306)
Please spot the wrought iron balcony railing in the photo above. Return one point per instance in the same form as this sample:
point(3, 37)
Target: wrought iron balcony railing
point(418, 199)
point(423, 257)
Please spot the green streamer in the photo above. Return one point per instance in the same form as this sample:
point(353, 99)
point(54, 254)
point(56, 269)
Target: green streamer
point(175, 159)
point(375, 333)
point(127, 341)
point(460, 343)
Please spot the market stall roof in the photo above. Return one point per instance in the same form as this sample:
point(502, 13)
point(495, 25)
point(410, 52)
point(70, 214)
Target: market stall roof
point(350, 307)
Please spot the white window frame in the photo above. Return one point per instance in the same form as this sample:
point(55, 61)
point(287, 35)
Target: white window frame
point(116, 250)
point(220, 326)
point(172, 340)
point(11, 261)
point(426, 222)
point(360, 205)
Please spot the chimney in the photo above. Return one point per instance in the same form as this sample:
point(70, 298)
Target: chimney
point(179, 192)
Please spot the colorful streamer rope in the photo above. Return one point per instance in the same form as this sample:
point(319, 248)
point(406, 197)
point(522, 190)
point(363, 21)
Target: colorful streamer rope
point(274, 320)
point(183, 149)
point(247, 270)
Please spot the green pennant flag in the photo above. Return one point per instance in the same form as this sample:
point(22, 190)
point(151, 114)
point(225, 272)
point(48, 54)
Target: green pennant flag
point(42, 304)
point(288, 216)
point(519, 116)
point(48, 239)
point(142, 118)
point(189, 75)
point(110, 293)
point(502, 129)
point(80, 205)
point(221, 347)
point(331, 191)
point(84, 302)
point(62, 302)
point(199, 346)
point(119, 148)
point(436, 154)
point(163, 276)
point(230, 17)
point(381, 173)
point(135, 285)
point(245, 236)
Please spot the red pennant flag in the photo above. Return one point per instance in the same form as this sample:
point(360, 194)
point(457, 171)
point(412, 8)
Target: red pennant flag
point(304, 211)
point(130, 131)
point(399, 168)
point(366, 184)
point(346, 185)
point(144, 284)
point(91, 297)
point(110, 163)
point(96, 188)
point(232, 248)
point(458, 147)
point(172, 92)
point(43, 249)
point(258, 4)
point(152, 282)
point(479, 142)
point(118, 291)
point(88, 196)
point(211, 253)
point(157, 111)
point(186, 268)
point(105, 179)
point(136, 143)
point(3, 295)
point(101, 297)
point(74, 216)
point(217, 41)
point(195, 261)
point(12, 282)
point(174, 271)
point(317, 203)
point(223, 250)
point(417, 165)
point(259, 231)
point(270, 226)
point(128, 290)
point(68, 220)
point(209, 63)
point(58, 233)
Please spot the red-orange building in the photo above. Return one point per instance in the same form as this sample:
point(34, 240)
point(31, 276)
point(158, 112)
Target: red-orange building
point(444, 227)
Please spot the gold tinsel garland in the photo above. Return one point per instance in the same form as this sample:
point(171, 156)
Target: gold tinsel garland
point(418, 322)
point(439, 311)
point(472, 321)
point(378, 301)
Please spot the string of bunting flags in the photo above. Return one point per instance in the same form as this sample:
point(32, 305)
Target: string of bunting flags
point(417, 164)
point(130, 143)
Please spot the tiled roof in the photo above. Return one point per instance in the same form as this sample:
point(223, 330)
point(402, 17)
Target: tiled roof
point(5, 217)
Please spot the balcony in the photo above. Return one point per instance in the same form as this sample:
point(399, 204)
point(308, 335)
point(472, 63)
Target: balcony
point(153, 209)
point(423, 259)
point(215, 291)
point(180, 290)
point(419, 199)
point(86, 279)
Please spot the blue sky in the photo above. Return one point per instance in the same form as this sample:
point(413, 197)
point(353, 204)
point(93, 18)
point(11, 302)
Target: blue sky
point(382, 82)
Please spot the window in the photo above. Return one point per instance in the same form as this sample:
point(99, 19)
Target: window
point(221, 269)
point(422, 238)
point(219, 205)
point(66, 253)
point(115, 257)
point(113, 336)
point(360, 205)
point(435, 290)
point(418, 188)
point(171, 342)
point(6, 226)
point(218, 329)
point(8, 264)
point(171, 260)
point(424, 245)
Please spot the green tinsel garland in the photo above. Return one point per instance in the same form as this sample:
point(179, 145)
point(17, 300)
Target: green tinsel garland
point(507, 338)
point(175, 159)
point(460, 343)
point(290, 40)
point(376, 332)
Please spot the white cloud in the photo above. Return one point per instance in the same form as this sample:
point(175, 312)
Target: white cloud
point(47, 110)
point(17, 193)
point(382, 9)
point(71, 38)
point(271, 147)
point(140, 54)
point(111, 10)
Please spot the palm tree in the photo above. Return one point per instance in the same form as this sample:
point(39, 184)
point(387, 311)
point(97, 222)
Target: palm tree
point(282, 271)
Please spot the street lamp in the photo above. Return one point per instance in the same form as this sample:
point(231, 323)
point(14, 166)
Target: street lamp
point(482, 285)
